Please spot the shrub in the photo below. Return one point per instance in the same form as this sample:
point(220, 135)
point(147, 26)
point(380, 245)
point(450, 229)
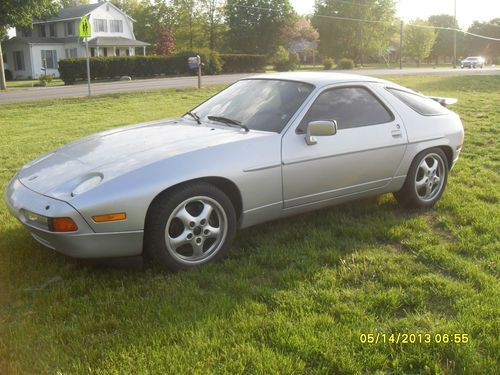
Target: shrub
point(284, 61)
point(75, 69)
point(294, 61)
point(240, 63)
point(345, 64)
point(281, 59)
point(44, 79)
point(328, 63)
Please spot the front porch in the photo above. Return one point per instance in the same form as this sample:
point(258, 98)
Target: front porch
point(116, 46)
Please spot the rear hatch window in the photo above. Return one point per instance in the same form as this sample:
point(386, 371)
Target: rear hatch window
point(419, 103)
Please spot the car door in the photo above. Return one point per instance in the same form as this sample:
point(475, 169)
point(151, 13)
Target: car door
point(363, 155)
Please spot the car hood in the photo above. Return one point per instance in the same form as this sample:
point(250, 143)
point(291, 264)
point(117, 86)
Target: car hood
point(121, 150)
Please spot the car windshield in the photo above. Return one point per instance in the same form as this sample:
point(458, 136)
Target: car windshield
point(472, 58)
point(258, 104)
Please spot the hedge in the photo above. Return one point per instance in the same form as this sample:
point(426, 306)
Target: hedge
point(240, 63)
point(74, 69)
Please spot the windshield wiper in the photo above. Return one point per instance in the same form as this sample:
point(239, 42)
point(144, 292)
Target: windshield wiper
point(228, 121)
point(195, 116)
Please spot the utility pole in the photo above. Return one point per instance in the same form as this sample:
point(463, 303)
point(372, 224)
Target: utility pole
point(401, 45)
point(3, 85)
point(455, 38)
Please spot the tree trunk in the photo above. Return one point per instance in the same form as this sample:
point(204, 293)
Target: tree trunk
point(3, 85)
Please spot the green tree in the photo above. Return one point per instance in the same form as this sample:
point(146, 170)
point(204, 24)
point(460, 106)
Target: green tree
point(21, 13)
point(353, 39)
point(418, 40)
point(484, 47)
point(443, 47)
point(72, 3)
point(254, 25)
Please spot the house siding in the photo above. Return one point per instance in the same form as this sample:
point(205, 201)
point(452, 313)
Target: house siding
point(27, 71)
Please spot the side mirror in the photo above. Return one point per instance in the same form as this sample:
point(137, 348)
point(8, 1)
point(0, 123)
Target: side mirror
point(320, 129)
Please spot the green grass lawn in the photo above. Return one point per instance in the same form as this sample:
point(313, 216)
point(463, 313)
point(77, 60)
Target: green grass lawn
point(293, 296)
point(31, 82)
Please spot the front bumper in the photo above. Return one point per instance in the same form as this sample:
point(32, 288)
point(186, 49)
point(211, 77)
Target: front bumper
point(83, 243)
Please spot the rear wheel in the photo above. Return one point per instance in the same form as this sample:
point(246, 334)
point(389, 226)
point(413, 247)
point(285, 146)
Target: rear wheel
point(426, 180)
point(190, 226)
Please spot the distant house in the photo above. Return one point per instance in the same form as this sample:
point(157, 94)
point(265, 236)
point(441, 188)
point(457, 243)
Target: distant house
point(35, 51)
point(306, 49)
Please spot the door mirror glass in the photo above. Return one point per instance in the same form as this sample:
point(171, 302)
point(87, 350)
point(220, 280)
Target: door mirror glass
point(320, 129)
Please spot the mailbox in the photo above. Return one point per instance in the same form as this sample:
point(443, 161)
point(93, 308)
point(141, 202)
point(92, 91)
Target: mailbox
point(194, 62)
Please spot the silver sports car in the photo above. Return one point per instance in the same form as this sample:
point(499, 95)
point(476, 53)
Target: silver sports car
point(264, 148)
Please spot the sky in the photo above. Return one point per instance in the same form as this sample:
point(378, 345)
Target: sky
point(467, 10)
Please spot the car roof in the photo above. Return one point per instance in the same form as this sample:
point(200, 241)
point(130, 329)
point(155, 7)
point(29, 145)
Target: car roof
point(319, 79)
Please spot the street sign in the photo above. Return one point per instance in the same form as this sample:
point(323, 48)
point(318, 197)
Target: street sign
point(85, 31)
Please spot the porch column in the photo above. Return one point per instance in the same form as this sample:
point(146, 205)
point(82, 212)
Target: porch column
point(114, 50)
point(144, 50)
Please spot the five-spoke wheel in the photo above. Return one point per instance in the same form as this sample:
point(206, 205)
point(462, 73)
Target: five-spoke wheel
point(426, 179)
point(195, 229)
point(189, 225)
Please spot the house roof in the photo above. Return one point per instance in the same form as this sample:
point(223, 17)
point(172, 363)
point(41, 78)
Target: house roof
point(115, 41)
point(71, 13)
point(38, 40)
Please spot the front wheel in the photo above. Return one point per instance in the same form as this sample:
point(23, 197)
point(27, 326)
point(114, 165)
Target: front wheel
point(189, 226)
point(426, 180)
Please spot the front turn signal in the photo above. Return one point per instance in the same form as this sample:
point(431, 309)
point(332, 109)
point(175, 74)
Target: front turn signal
point(62, 224)
point(109, 217)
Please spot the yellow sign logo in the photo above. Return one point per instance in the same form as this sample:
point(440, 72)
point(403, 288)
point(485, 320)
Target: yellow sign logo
point(85, 31)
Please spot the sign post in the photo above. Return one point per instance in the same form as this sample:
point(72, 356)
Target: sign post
point(86, 32)
point(199, 70)
point(195, 63)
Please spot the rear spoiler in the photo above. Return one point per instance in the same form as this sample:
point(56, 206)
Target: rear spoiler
point(445, 102)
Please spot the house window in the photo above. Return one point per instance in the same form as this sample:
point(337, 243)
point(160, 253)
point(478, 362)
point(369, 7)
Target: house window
point(70, 53)
point(49, 59)
point(105, 51)
point(92, 52)
point(18, 60)
point(116, 26)
point(70, 28)
point(26, 32)
point(41, 31)
point(127, 51)
point(52, 29)
point(117, 52)
point(100, 25)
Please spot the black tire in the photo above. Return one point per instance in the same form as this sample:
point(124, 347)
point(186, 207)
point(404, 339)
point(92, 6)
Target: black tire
point(161, 213)
point(409, 196)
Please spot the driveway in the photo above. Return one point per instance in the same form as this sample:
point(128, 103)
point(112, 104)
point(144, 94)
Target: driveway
point(39, 93)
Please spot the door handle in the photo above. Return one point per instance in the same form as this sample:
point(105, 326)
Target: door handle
point(396, 133)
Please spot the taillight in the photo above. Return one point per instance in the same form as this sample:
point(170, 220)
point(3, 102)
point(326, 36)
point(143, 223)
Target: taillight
point(62, 224)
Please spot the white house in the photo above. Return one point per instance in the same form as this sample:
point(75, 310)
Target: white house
point(36, 50)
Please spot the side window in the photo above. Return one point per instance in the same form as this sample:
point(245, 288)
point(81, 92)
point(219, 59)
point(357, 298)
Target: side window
point(351, 107)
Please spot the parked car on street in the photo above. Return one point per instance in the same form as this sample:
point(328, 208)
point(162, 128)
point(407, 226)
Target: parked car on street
point(264, 148)
point(472, 62)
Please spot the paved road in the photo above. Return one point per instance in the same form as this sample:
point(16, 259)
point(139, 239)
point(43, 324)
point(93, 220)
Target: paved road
point(38, 93)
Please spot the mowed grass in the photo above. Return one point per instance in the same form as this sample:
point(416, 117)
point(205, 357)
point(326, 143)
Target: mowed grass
point(294, 295)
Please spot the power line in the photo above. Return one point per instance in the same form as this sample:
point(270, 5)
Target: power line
point(454, 29)
point(378, 21)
